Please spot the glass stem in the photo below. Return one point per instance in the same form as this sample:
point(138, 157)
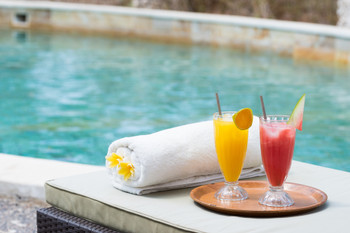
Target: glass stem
point(276, 188)
point(234, 183)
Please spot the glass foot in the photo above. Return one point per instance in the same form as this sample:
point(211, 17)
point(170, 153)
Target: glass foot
point(231, 192)
point(276, 197)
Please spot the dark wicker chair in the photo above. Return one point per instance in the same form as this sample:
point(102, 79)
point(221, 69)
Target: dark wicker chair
point(54, 220)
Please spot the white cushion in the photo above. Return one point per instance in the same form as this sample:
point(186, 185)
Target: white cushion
point(91, 196)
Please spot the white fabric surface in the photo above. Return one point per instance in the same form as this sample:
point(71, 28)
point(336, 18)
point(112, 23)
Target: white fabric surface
point(183, 156)
point(176, 208)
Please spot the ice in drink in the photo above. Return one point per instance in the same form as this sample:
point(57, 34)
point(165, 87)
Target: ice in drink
point(277, 139)
point(277, 146)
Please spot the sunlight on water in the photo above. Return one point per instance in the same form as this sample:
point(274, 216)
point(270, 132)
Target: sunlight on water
point(67, 97)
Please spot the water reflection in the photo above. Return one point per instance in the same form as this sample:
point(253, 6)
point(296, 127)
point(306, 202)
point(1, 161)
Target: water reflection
point(67, 97)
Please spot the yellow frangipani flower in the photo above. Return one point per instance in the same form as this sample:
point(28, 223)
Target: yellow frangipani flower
point(127, 169)
point(114, 160)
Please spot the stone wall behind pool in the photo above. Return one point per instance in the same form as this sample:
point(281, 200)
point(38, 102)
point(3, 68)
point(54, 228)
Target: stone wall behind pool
point(302, 41)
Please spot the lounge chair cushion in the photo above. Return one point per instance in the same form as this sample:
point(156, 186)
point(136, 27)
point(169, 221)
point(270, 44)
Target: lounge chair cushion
point(91, 196)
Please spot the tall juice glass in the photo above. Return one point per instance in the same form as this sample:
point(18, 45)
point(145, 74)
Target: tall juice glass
point(231, 148)
point(277, 145)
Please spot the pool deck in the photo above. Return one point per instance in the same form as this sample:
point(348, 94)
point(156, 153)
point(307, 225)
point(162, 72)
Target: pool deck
point(18, 214)
point(22, 188)
point(23, 176)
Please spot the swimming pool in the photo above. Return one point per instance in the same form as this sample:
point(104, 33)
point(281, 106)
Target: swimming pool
point(67, 97)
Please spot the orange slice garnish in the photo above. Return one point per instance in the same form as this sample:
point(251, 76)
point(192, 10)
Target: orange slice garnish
point(243, 119)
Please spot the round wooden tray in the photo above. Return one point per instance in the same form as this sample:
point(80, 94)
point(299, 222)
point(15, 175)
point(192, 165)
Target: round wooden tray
point(306, 198)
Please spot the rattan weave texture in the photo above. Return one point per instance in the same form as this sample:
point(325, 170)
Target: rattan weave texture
point(54, 220)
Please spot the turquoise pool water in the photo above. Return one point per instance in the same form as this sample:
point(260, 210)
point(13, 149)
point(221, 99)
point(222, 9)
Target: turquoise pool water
point(67, 97)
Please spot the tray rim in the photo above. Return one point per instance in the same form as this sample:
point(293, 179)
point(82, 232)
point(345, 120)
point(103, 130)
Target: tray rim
point(278, 212)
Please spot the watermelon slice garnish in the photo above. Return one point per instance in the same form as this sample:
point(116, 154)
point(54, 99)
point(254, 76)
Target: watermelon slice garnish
point(296, 118)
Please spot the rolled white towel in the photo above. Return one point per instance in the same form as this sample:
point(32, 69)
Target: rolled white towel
point(179, 157)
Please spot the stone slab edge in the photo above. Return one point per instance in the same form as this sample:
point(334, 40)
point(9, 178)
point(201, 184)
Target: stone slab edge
point(24, 176)
point(278, 25)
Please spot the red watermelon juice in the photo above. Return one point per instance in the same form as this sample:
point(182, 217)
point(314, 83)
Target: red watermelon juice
point(277, 146)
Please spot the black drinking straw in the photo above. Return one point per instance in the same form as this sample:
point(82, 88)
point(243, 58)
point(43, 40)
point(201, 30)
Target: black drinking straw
point(263, 107)
point(218, 102)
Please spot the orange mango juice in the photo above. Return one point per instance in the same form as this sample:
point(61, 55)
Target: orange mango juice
point(231, 146)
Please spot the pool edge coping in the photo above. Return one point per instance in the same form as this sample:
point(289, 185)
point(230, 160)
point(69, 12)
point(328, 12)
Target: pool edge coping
point(26, 176)
point(251, 22)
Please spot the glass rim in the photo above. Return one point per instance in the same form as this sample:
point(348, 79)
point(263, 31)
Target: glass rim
point(217, 113)
point(286, 118)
